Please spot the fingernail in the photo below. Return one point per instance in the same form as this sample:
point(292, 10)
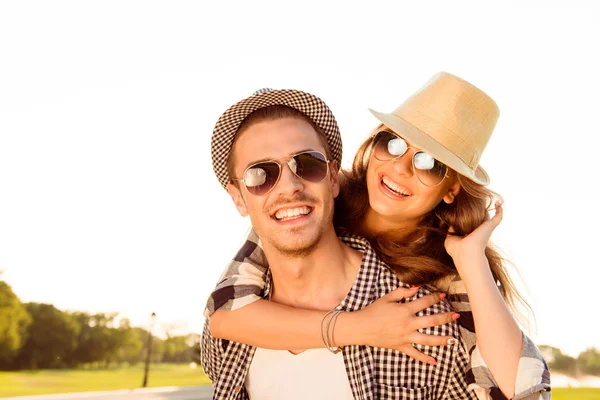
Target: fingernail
point(413, 287)
point(452, 341)
point(442, 295)
point(455, 316)
point(432, 362)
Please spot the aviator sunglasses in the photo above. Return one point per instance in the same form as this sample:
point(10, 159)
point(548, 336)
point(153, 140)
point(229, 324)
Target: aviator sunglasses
point(261, 178)
point(388, 146)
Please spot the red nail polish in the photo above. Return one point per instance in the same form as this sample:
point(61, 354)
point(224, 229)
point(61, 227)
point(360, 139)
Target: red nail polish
point(455, 316)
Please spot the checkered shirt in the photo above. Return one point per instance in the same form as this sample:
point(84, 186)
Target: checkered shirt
point(244, 282)
point(373, 373)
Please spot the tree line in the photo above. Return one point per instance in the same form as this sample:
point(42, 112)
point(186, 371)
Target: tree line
point(40, 336)
point(586, 363)
point(36, 336)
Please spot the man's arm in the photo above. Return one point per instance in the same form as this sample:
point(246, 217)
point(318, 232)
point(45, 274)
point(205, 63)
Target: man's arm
point(210, 353)
point(243, 280)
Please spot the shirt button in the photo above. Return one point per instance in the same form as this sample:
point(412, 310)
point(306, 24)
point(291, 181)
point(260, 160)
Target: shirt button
point(238, 389)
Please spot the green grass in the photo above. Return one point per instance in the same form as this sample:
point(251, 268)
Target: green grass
point(575, 394)
point(25, 383)
point(63, 381)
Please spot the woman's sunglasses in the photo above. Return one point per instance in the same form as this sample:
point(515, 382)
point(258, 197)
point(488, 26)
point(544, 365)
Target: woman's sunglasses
point(261, 178)
point(388, 146)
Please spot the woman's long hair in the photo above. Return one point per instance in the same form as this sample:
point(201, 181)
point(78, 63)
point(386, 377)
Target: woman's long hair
point(418, 256)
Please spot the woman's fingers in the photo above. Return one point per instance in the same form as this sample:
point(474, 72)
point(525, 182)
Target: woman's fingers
point(400, 293)
point(431, 340)
point(434, 320)
point(497, 218)
point(416, 354)
point(424, 302)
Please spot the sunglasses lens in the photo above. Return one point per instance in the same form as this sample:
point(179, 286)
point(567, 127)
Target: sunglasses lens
point(310, 166)
point(429, 170)
point(388, 146)
point(261, 178)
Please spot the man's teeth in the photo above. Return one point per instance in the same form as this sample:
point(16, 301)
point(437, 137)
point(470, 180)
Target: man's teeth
point(394, 187)
point(288, 213)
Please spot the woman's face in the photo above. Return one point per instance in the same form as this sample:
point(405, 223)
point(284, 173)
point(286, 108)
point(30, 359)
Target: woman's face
point(397, 197)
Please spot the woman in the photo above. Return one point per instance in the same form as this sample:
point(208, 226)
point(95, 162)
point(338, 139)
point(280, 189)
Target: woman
point(417, 193)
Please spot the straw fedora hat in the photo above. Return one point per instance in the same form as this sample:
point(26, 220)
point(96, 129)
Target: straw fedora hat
point(450, 119)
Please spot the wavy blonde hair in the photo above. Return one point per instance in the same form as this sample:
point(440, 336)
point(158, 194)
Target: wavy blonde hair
point(418, 256)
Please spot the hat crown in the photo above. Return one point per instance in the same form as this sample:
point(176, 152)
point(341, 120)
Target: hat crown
point(454, 113)
point(262, 90)
point(228, 123)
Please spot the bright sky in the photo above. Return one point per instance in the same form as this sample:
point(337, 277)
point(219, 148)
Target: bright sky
point(108, 201)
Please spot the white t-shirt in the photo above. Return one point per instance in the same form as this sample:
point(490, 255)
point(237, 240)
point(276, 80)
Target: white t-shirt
point(312, 374)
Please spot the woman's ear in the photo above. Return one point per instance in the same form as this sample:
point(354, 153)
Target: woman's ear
point(452, 192)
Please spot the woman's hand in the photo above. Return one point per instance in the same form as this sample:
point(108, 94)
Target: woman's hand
point(472, 246)
point(394, 325)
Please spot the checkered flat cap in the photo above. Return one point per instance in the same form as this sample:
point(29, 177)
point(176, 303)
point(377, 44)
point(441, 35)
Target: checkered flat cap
point(229, 122)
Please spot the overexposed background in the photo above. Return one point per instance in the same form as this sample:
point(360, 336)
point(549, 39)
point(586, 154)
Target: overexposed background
point(108, 201)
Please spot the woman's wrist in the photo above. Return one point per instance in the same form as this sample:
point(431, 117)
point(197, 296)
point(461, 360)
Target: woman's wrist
point(474, 265)
point(349, 330)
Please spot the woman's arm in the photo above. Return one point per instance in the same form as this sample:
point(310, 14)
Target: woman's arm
point(237, 312)
point(499, 338)
point(385, 323)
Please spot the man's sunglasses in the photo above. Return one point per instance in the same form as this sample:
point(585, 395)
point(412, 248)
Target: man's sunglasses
point(261, 178)
point(388, 146)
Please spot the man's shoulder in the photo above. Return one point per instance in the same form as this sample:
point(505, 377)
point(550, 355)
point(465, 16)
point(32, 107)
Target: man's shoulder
point(355, 241)
point(381, 273)
point(383, 279)
point(371, 263)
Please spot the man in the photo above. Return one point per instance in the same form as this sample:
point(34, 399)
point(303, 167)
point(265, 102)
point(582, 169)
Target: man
point(277, 153)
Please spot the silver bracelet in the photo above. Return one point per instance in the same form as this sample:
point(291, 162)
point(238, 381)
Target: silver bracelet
point(329, 345)
point(324, 332)
point(337, 348)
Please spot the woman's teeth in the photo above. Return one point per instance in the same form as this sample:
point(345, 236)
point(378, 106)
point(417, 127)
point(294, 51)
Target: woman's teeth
point(395, 187)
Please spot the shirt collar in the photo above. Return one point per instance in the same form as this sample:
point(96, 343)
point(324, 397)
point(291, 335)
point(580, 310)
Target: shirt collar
point(362, 292)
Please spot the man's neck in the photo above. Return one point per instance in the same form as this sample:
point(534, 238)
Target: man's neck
point(319, 280)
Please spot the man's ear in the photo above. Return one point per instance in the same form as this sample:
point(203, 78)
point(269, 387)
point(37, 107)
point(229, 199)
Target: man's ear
point(334, 178)
point(238, 200)
point(452, 192)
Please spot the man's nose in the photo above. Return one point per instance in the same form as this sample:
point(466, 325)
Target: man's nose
point(289, 183)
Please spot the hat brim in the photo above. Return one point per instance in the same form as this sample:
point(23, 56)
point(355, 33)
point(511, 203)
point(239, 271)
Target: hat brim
point(431, 146)
point(228, 123)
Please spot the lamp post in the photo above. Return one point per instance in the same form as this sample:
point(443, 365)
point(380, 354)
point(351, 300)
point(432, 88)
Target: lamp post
point(149, 349)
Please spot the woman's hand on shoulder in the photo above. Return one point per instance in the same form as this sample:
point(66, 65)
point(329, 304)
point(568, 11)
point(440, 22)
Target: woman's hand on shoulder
point(388, 324)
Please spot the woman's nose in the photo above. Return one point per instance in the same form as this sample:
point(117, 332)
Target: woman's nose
point(403, 165)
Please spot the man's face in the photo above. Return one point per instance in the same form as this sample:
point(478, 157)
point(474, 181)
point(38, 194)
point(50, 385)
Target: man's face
point(295, 214)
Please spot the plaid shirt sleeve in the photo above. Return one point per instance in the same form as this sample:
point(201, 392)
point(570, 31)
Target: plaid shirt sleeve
point(210, 353)
point(533, 376)
point(243, 280)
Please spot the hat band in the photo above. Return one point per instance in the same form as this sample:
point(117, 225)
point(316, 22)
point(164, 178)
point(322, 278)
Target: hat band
point(444, 136)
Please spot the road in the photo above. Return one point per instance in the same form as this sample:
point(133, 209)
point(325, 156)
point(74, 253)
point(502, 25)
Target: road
point(165, 393)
